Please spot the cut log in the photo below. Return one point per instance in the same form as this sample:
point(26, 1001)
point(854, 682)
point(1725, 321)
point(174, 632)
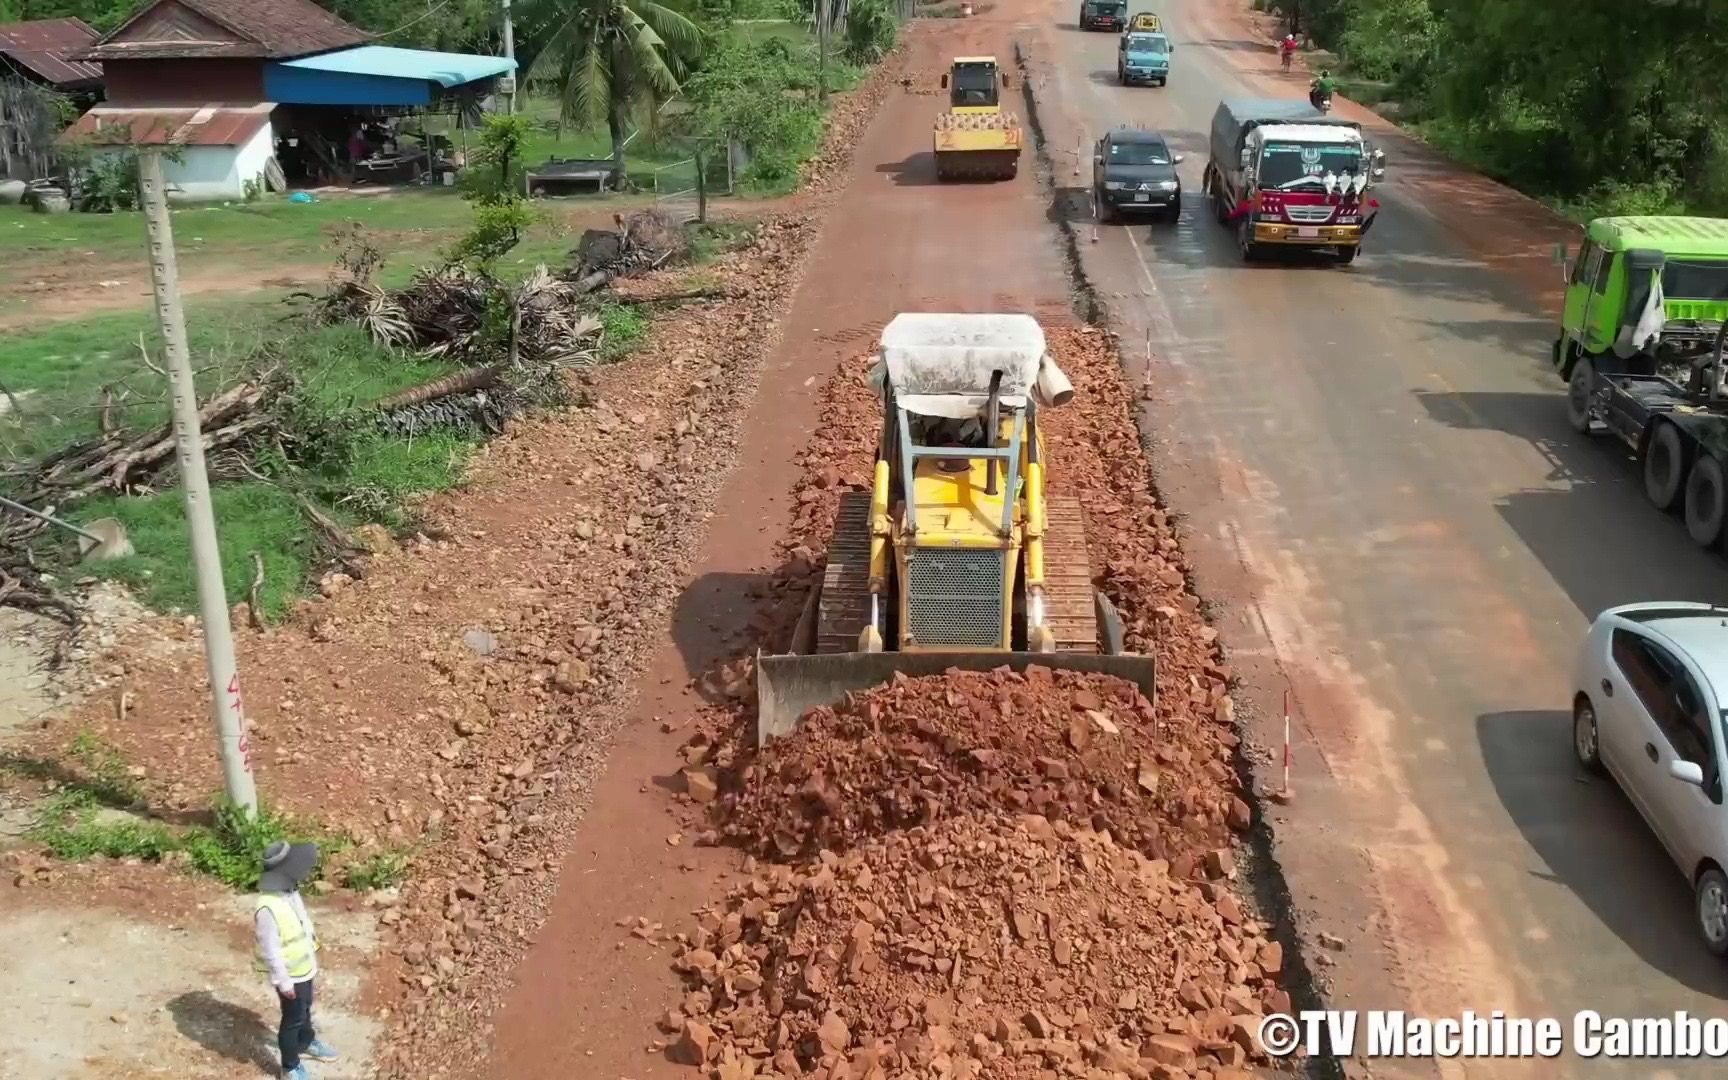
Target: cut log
point(461, 382)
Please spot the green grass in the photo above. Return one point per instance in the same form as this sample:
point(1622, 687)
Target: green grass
point(343, 369)
point(340, 372)
point(625, 327)
point(93, 811)
point(349, 473)
point(274, 230)
point(385, 471)
point(766, 29)
point(712, 239)
point(229, 228)
point(65, 365)
point(380, 870)
point(251, 516)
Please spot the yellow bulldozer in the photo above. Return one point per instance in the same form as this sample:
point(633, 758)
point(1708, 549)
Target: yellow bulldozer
point(976, 139)
point(955, 558)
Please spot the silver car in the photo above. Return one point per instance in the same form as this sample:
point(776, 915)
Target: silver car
point(1651, 685)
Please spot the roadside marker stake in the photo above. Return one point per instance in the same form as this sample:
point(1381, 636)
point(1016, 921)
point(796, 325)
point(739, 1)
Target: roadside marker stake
point(1286, 793)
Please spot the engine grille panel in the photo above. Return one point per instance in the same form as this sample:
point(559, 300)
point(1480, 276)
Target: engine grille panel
point(955, 597)
point(1309, 215)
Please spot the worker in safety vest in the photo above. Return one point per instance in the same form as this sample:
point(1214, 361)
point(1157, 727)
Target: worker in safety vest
point(288, 951)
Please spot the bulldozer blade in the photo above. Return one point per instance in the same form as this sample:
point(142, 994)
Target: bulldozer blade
point(788, 686)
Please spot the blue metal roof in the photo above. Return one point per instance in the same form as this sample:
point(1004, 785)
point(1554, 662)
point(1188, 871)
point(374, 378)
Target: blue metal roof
point(445, 69)
point(376, 75)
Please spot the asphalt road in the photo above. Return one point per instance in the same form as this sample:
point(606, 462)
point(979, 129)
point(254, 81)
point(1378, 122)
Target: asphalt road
point(1377, 473)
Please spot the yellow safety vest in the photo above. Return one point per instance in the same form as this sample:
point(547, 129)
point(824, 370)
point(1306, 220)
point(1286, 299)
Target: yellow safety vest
point(298, 947)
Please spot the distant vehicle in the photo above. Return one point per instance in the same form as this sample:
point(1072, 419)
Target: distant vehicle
point(1103, 14)
point(1648, 708)
point(1641, 350)
point(1143, 58)
point(1282, 173)
point(1145, 20)
point(1134, 171)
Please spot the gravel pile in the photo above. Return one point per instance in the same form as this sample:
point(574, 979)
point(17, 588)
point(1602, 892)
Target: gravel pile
point(1085, 749)
point(988, 874)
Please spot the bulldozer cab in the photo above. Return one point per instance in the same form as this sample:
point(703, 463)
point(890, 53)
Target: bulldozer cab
point(958, 427)
point(954, 558)
point(974, 82)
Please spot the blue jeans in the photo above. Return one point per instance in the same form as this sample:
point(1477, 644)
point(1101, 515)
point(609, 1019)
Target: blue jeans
point(295, 1034)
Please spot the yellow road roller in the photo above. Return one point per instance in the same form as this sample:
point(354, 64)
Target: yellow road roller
point(976, 139)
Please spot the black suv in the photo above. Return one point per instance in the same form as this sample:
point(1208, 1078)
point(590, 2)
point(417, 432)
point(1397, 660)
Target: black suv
point(1134, 171)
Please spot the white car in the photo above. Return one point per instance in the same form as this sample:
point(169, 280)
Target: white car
point(1650, 685)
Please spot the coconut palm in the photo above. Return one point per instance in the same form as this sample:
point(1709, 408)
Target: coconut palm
point(610, 57)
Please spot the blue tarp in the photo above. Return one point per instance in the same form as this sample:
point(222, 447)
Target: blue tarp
point(376, 75)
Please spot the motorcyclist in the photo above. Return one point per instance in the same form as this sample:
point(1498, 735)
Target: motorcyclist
point(1287, 50)
point(1320, 90)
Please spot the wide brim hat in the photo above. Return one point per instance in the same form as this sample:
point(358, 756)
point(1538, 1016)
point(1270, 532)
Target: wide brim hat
point(286, 866)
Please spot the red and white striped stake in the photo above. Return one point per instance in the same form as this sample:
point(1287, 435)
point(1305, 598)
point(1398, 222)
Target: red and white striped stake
point(1286, 742)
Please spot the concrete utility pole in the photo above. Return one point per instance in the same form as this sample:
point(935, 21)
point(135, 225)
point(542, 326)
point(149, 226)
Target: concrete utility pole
point(225, 704)
point(510, 53)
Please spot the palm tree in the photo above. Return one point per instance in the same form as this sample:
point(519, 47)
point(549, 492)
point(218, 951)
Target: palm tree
point(609, 57)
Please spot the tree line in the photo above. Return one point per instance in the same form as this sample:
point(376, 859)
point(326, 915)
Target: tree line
point(1603, 106)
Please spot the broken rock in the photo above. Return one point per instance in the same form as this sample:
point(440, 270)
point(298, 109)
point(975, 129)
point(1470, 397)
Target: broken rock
point(695, 1043)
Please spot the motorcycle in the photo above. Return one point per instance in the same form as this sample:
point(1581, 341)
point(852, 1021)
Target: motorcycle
point(1320, 100)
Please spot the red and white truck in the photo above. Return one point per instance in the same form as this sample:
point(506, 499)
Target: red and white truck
point(1284, 174)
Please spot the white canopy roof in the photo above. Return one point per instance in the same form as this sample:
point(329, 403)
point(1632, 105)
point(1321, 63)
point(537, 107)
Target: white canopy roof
point(941, 364)
point(1309, 133)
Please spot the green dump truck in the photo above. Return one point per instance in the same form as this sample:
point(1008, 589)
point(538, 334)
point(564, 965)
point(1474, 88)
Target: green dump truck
point(1641, 347)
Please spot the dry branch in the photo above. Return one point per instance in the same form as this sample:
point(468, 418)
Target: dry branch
point(674, 298)
point(342, 546)
point(116, 461)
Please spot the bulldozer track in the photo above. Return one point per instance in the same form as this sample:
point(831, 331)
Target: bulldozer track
point(1069, 606)
point(843, 611)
